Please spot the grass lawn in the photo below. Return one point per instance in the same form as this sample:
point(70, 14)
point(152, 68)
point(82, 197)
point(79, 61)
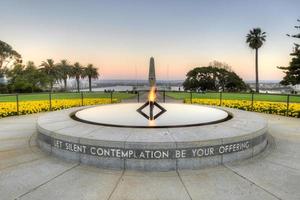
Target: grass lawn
point(124, 95)
point(71, 95)
point(235, 96)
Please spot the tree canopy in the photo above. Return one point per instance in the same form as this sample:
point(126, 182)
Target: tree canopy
point(292, 72)
point(27, 78)
point(256, 38)
point(213, 78)
point(77, 73)
point(49, 68)
point(8, 54)
point(64, 71)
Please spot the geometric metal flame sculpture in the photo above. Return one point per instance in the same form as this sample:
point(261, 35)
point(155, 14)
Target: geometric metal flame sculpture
point(151, 103)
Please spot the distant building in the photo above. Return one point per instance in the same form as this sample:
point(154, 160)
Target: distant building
point(3, 80)
point(296, 87)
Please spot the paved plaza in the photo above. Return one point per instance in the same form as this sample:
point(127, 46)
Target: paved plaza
point(28, 173)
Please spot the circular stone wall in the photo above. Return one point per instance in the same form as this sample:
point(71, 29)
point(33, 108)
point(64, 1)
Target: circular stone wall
point(159, 149)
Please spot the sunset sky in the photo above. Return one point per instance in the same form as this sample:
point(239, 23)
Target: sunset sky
point(120, 36)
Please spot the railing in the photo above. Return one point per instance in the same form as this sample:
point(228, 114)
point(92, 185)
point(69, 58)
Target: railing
point(139, 96)
point(15, 100)
point(251, 97)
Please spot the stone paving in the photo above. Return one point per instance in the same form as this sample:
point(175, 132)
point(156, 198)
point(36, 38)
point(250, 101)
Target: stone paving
point(28, 173)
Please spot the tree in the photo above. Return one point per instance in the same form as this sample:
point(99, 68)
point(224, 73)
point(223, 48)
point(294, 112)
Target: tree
point(91, 72)
point(8, 54)
point(16, 79)
point(219, 64)
point(292, 72)
point(255, 39)
point(33, 76)
point(23, 78)
point(64, 71)
point(50, 69)
point(213, 78)
point(77, 73)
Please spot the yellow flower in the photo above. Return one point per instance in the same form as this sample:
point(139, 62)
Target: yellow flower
point(278, 108)
point(29, 107)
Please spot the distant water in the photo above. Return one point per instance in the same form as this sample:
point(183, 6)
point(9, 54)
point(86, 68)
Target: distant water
point(115, 88)
point(125, 88)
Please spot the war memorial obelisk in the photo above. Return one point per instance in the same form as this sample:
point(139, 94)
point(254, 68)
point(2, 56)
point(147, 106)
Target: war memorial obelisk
point(151, 102)
point(152, 78)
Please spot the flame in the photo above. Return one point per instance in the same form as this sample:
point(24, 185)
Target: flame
point(151, 122)
point(152, 94)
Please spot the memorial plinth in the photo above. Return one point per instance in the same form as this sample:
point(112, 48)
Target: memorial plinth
point(190, 141)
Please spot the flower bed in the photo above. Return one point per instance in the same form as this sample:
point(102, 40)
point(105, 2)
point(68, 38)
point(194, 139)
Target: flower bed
point(277, 108)
point(29, 107)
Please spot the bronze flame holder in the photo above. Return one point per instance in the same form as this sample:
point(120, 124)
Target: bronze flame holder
point(151, 104)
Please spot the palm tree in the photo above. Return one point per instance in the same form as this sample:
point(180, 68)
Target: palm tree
point(91, 72)
point(50, 70)
point(64, 71)
point(77, 72)
point(256, 38)
point(32, 75)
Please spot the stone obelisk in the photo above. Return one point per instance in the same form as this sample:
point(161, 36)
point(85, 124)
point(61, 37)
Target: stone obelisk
point(152, 78)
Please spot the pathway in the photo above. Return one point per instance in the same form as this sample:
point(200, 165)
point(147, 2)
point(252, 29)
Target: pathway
point(28, 173)
point(143, 97)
